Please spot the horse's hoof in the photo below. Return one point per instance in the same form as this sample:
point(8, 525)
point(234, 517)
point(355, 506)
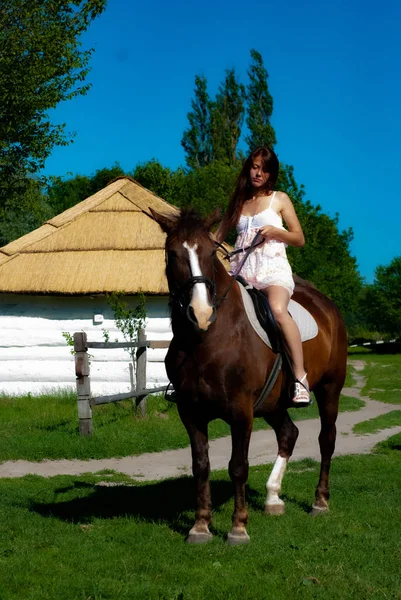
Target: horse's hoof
point(238, 536)
point(275, 509)
point(318, 510)
point(198, 537)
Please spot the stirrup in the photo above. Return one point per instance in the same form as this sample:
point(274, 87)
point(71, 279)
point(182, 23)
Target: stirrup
point(170, 394)
point(301, 397)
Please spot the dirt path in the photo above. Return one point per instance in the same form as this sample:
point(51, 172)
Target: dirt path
point(263, 448)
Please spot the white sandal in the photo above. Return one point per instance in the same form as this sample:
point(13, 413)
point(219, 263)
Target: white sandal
point(301, 397)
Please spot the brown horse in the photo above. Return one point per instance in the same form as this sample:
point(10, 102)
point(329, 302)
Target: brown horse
point(218, 366)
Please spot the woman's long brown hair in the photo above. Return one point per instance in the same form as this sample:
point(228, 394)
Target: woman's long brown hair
point(243, 188)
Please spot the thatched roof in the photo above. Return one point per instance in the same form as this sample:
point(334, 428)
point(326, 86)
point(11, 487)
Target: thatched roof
point(105, 243)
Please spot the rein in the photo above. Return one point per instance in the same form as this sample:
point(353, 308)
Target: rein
point(234, 252)
point(255, 242)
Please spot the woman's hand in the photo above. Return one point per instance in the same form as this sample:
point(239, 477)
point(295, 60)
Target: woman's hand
point(269, 232)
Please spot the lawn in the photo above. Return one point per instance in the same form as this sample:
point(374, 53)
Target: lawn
point(73, 538)
point(390, 419)
point(383, 377)
point(46, 427)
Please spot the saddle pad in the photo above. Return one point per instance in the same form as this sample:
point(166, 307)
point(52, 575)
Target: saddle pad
point(306, 323)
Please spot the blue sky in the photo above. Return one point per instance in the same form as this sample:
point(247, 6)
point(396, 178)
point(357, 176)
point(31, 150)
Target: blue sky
point(334, 73)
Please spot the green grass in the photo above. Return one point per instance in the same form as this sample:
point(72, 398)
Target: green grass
point(46, 427)
point(358, 351)
point(347, 404)
point(41, 427)
point(350, 379)
point(383, 377)
point(392, 443)
point(390, 419)
point(69, 538)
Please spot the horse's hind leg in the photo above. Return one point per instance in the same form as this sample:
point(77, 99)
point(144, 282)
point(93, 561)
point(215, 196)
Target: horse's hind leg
point(198, 434)
point(287, 434)
point(238, 469)
point(327, 396)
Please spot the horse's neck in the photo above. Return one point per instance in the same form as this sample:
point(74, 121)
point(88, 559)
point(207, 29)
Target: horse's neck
point(223, 279)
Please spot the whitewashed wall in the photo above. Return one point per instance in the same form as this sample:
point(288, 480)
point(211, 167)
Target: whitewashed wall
point(35, 358)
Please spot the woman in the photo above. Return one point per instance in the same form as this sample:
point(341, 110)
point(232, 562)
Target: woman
point(256, 207)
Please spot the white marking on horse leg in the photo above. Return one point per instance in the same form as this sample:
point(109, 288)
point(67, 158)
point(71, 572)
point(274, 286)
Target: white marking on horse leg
point(202, 308)
point(273, 503)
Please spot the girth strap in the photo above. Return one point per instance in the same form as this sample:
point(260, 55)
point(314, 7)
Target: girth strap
point(271, 380)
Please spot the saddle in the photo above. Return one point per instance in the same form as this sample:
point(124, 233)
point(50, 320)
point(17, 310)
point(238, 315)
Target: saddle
point(264, 315)
point(260, 316)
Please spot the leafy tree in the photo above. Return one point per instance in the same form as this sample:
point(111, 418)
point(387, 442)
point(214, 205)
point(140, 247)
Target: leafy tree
point(162, 181)
point(210, 187)
point(103, 177)
point(259, 106)
point(325, 260)
point(196, 139)
point(227, 115)
point(287, 183)
point(24, 211)
point(41, 64)
point(64, 193)
point(381, 304)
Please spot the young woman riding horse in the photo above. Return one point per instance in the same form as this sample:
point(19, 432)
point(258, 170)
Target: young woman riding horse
point(218, 366)
point(256, 207)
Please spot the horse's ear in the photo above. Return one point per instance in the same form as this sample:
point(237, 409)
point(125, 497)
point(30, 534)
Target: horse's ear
point(166, 222)
point(212, 219)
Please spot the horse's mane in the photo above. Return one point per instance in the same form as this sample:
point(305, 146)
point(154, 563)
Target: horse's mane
point(190, 212)
point(189, 222)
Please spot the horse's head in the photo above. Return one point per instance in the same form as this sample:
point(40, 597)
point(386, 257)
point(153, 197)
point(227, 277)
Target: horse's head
point(190, 258)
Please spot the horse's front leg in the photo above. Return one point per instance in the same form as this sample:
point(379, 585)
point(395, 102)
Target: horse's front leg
point(198, 435)
point(238, 469)
point(287, 434)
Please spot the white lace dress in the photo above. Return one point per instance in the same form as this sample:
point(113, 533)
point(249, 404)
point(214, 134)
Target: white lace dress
point(267, 264)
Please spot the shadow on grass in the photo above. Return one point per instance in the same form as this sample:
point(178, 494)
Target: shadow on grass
point(169, 502)
point(305, 506)
point(256, 501)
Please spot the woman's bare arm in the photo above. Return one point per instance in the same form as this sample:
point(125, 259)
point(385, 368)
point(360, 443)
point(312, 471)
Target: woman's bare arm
point(294, 235)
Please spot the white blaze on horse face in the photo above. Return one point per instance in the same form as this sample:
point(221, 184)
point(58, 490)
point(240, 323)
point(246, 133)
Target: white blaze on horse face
point(202, 308)
point(274, 482)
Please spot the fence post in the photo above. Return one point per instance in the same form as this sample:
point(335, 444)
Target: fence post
point(83, 383)
point(141, 358)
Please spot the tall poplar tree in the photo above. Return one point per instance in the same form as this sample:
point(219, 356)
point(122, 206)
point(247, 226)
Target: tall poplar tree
point(259, 106)
point(227, 116)
point(196, 139)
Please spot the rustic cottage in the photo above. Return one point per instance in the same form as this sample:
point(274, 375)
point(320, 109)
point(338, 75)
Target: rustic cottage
point(55, 279)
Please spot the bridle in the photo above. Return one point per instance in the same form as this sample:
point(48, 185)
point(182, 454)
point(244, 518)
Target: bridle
point(180, 293)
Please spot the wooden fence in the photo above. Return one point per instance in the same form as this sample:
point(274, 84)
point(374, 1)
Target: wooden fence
point(82, 372)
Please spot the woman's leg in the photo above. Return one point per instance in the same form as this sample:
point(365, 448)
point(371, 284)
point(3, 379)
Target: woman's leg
point(279, 298)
